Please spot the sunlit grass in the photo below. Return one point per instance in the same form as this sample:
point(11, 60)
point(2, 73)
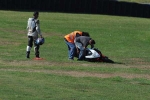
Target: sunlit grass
point(136, 1)
point(123, 39)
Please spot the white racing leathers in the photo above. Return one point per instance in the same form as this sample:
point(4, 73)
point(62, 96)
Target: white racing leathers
point(33, 27)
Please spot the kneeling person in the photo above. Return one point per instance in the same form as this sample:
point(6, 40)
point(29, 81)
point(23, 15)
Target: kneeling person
point(81, 43)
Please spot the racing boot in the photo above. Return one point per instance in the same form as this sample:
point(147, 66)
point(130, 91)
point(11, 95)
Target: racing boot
point(28, 54)
point(38, 57)
point(37, 54)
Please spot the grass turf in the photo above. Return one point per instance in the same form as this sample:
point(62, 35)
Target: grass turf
point(123, 39)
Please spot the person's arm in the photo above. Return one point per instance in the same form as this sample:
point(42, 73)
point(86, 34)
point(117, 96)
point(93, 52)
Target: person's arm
point(77, 50)
point(92, 46)
point(85, 45)
point(77, 35)
point(76, 46)
point(38, 28)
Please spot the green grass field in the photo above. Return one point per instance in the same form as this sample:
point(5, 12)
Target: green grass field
point(136, 1)
point(125, 40)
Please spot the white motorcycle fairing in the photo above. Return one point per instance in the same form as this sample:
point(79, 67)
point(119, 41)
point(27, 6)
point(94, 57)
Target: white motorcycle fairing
point(92, 54)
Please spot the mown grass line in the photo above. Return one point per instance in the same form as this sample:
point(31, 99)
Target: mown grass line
point(123, 39)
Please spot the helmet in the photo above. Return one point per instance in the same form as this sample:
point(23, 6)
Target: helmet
point(40, 41)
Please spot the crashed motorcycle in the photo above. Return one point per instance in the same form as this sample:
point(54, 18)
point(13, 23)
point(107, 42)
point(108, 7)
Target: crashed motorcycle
point(95, 55)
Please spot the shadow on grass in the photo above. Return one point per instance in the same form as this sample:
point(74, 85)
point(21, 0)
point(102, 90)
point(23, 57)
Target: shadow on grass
point(118, 63)
point(112, 62)
point(104, 60)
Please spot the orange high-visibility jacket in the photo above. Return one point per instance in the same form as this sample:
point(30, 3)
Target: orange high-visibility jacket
point(70, 37)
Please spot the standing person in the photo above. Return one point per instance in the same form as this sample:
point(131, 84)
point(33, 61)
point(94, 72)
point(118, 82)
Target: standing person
point(69, 39)
point(34, 31)
point(81, 43)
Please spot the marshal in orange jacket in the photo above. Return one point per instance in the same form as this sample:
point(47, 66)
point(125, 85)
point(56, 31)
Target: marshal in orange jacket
point(70, 37)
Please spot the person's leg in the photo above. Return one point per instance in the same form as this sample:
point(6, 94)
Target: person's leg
point(81, 54)
point(68, 47)
point(71, 49)
point(29, 46)
point(36, 49)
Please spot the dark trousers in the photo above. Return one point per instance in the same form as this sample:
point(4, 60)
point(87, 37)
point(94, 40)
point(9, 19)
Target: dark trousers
point(31, 41)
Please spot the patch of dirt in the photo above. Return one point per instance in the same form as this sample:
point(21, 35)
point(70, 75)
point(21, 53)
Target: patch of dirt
point(18, 66)
point(82, 74)
point(13, 31)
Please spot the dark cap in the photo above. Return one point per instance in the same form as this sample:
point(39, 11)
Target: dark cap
point(85, 34)
point(35, 13)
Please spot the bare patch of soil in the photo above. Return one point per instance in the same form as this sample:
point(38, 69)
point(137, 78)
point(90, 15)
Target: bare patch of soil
point(13, 31)
point(82, 74)
point(29, 63)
